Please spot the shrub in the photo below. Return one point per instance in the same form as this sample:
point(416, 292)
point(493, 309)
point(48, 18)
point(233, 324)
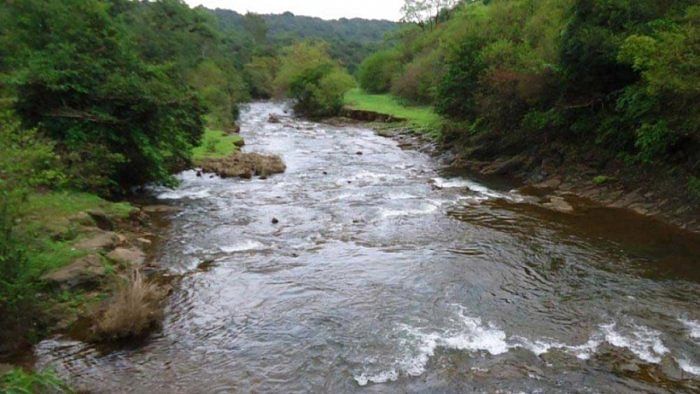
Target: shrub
point(135, 308)
point(377, 71)
point(313, 79)
point(418, 82)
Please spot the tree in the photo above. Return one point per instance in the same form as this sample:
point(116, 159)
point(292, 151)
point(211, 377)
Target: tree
point(425, 11)
point(117, 122)
point(309, 75)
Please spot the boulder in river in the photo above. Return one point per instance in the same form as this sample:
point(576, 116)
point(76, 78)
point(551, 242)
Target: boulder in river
point(273, 119)
point(244, 165)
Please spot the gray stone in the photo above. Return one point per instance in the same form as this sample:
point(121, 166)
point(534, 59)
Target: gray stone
point(127, 256)
point(102, 220)
point(559, 204)
point(160, 209)
point(98, 241)
point(86, 271)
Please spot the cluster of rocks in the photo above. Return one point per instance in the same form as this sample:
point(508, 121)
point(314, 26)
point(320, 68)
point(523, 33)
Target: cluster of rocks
point(244, 165)
point(93, 235)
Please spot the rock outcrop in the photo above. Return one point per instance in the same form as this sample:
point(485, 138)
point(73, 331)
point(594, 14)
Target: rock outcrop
point(87, 271)
point(244, 165)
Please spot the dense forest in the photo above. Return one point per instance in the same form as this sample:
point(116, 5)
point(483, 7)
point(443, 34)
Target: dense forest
point(597, 80)
point(350, 40)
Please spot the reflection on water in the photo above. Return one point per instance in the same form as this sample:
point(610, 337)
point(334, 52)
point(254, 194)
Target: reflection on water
point(384, 274)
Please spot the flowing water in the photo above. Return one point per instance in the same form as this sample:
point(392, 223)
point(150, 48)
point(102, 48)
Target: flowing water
point(385, 274)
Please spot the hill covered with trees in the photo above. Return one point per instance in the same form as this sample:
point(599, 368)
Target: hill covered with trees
point(350, 40)
point(606, 83)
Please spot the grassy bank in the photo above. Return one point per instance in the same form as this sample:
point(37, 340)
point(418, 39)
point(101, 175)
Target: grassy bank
point(422, 119)
point(51, 223)
point(215, 145)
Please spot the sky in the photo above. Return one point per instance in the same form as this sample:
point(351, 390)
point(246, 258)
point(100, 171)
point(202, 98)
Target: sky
point(326, 9)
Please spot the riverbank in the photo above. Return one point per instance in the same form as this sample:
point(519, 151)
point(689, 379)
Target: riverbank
point(82, 253)
point(555, 168)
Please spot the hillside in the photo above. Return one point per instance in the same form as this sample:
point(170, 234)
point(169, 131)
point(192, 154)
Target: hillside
point(350, 40)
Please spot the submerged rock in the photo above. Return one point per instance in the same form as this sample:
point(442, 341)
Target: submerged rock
point(244, 165)
point(84, 272)
point(557, 203)
point(273, 119)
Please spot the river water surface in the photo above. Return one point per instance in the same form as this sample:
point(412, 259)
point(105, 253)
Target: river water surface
point(385, 274)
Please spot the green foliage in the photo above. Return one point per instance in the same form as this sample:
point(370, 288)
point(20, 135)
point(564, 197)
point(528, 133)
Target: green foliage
point(18, 381)
point(308, 75)
point(80, 82)
point(376, 72)
point(220, 92)
point(457, 91)
point(260, 75)
point(621, 74)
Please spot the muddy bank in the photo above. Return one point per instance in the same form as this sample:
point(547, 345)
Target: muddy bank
point(558, 171)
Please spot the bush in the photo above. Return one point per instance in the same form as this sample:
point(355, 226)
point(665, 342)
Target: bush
point(135, 308)
point(377, 71)
point(313, 79)
point(27, 162)
point(418, 83)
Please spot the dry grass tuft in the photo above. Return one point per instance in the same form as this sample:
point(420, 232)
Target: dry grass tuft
point(135, 308)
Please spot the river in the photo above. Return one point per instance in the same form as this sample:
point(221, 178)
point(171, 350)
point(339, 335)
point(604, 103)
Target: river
point(387, 274)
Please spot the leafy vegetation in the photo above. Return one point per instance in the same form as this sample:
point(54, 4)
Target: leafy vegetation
point(18, 381)
point(350, 40)
point(615, 77)
point(309, 75)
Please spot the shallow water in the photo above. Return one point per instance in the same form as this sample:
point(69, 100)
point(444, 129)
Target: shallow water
point(385, 274)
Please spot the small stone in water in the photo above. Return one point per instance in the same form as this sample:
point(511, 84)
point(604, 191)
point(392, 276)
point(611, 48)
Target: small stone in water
point(360, 153)
point(275, 221)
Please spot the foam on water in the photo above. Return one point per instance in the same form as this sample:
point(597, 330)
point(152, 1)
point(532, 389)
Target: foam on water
point(644, 342)
point(688, 367)
point(483, 192)
point(425, 209)
point(193, 194)
point(693, 327)
point(242, 246)
point(474, 335)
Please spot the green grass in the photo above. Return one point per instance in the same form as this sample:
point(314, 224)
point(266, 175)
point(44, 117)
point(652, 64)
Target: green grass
point(215, 144)
point(424, 119)
point(18, 381)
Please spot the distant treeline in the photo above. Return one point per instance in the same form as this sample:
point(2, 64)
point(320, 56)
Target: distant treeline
point(622, 76)
point(350, 40)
